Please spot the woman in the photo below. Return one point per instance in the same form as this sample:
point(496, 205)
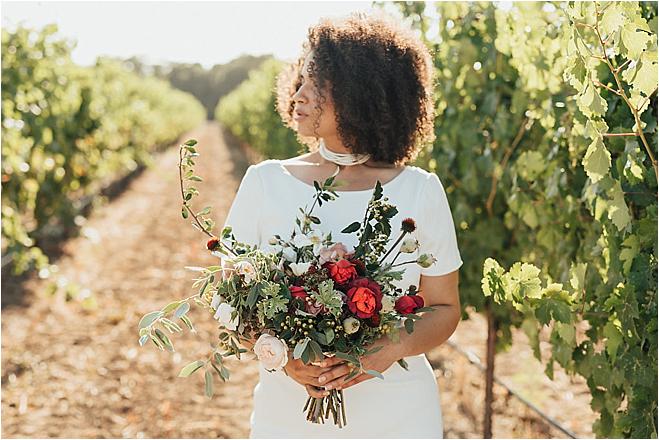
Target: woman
point(360, 97)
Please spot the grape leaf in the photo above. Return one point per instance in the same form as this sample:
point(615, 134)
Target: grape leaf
point(597, 160)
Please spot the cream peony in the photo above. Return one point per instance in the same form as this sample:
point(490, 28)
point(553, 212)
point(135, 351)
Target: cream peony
point(271, 351)
point(223, 315)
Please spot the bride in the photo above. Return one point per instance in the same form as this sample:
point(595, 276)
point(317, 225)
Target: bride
point(360, 97)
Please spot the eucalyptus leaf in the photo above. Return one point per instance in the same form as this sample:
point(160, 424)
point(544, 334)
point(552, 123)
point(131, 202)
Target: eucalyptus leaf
point(149, 319)
point(182, 310)
point(191, 368)
point(208, 379)
point(171, 306)
point(374, 373)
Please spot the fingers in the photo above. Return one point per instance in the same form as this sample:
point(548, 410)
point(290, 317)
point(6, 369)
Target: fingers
point(355, 380)
point(331, 361)
point(311, 370)
point(316, 392)
point(334, 377)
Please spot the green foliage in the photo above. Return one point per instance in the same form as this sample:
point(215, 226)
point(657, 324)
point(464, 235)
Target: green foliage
point(546, 146)
point(68, 130)
point(248, 112)
point(328, 297)
point(275, 303)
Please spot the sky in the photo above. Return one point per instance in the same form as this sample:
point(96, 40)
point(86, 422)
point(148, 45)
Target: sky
point(160, 31)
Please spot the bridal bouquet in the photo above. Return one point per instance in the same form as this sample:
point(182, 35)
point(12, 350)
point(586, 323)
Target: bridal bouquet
point(309, 295)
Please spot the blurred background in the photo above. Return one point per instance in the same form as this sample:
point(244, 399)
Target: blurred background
point(546, 146)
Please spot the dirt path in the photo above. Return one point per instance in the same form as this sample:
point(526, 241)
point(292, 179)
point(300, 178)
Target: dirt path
point(71, 372)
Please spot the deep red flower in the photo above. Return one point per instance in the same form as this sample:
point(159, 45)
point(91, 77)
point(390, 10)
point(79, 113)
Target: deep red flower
point(408, 304)
point(374, 321)
point(213, 243)
point(298, 292)
point(409, 225)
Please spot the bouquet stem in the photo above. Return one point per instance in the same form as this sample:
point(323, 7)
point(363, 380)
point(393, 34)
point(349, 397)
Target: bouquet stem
point(319, 409)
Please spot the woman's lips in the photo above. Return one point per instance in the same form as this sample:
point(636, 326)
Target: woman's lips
point(299, 116)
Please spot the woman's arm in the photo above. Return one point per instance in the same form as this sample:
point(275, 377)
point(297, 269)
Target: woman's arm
point(440, 292)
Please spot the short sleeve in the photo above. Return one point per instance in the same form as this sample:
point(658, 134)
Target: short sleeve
point(435, 229)
point(244, 213)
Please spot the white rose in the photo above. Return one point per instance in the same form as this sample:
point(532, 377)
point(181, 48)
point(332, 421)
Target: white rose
point(247, 270)
point(271, 351)
point(409, 245)
point(300, 268)
point(301, 240)
point(223, 315)
point(351, 325)
point(276, 248)
point(388, 304)
point(217, 298)
point(289, 254)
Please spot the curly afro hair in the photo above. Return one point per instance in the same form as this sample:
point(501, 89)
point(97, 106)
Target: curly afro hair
point(381, 79)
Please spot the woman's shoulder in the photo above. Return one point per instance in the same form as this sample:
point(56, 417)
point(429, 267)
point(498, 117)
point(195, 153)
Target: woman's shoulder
point(266, 166)
point(421, 176)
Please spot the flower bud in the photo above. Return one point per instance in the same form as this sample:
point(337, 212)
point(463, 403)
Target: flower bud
point(408, 225)
point(409, 245)
point(426, 260)
point(351, 325)
point(213, 243)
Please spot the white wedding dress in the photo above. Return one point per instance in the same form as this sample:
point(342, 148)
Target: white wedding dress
point(404, 404)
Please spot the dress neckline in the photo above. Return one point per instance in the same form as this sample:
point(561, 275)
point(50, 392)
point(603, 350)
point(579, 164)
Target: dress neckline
point(358, 191)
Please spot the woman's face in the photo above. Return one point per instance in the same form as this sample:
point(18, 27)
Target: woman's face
point(306, 113)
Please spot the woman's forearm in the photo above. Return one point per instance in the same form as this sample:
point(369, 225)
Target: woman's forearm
point(432, 330)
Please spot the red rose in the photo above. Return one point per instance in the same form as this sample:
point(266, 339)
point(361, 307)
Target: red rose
point(342, 271)
point(408, 304)
point(298, 292)
point(364, 298)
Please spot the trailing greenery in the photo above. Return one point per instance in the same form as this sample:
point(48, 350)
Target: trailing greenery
point(68, 130)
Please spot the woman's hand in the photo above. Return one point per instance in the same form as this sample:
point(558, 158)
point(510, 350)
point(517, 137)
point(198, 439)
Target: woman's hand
point(378, 361)
point(307, 375)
